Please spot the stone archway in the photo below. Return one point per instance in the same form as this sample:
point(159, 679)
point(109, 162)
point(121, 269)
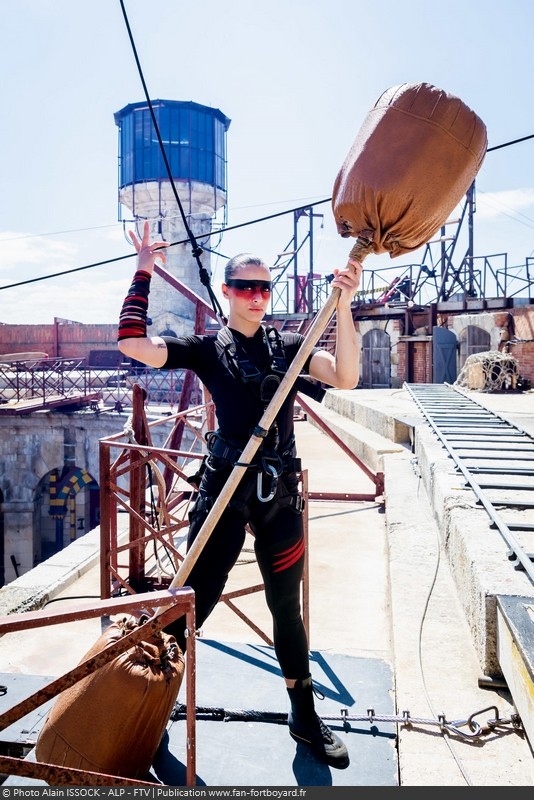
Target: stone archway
point(66, 506)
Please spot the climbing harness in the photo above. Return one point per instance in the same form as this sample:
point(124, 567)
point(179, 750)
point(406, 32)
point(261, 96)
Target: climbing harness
point(240, 365)
point(264, 382)
point(269, 462)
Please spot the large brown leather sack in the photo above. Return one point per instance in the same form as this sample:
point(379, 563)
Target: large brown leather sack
point(113, 720)
point(415, 156)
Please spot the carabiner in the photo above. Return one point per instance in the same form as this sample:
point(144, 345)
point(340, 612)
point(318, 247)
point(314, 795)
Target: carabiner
point(259, 483)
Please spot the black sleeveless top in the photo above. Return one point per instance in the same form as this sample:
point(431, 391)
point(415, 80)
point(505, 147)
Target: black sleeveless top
point(238, 405)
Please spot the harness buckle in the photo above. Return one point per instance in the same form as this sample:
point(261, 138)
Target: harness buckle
point(299, 503)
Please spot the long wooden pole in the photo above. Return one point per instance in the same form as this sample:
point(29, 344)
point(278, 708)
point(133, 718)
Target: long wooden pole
point(360, 250)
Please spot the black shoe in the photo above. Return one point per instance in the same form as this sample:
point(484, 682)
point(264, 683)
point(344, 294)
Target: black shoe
point(307, 727)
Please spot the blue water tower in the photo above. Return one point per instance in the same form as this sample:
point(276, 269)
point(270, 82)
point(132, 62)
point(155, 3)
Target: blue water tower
point(194, 138)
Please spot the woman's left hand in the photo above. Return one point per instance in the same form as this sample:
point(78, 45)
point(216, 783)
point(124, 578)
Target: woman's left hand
point(348, 281)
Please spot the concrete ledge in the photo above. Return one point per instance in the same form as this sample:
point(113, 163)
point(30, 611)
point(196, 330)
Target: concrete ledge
point(477, 554)
point(36, 587)
point(369, 446)
point(515, 628)
point(394, 417)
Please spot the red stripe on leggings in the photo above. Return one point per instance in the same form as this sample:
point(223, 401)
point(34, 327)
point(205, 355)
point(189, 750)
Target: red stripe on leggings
point(288, 557)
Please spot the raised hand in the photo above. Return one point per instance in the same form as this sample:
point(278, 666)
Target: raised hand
point(148, 252)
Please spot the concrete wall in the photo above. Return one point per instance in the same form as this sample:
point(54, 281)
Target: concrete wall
point(30, 447)
point(521, 342)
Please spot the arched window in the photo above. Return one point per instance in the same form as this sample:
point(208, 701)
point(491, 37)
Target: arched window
point(66, 506)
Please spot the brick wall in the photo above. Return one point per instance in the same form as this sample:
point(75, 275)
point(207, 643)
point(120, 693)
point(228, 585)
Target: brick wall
point(66, 339)
point(521, 342)
point(416, 358)
point(60, 340)
point(402, 363)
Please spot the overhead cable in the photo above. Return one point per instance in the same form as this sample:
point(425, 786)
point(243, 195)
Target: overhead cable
point(213, 233)
point(171, 244)
point(196, 249)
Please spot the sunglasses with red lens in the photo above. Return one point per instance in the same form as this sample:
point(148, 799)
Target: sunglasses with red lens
point(249, 288)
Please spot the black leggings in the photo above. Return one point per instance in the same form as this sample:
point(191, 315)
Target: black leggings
point(279, 546)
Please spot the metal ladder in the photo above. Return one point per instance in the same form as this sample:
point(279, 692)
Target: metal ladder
point(495, 457)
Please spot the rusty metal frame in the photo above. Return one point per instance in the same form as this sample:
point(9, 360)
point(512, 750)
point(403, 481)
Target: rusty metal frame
point(31, 384)
point(377, 478)
point(175, 604)
point(127, 566)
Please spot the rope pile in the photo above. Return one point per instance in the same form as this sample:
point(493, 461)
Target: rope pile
point(490, 371)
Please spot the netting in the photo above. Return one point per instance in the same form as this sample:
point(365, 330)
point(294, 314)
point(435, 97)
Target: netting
point(490, 371)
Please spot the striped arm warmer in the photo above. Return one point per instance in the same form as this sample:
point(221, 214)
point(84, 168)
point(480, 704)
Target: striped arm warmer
point(132, 319)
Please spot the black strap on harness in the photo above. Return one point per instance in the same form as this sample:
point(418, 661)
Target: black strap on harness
point(240, 364)
point(269, 467)
point(269, 462)
point(222, 450)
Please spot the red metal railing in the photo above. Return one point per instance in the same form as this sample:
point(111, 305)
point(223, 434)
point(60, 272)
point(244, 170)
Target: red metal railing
point(34, 383)
point(377, 478)
point(175, 603)
point(151, 485)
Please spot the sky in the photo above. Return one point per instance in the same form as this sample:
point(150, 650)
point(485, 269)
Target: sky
point(295, 77)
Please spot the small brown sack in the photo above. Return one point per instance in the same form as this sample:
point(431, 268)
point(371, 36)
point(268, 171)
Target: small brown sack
point(416, 154)
point(113, 720)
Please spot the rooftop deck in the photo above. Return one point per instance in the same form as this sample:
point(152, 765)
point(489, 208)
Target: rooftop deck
point(388, 627)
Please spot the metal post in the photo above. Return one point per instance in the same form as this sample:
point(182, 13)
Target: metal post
point(108, 511)
point(470, 248)
point(296, 290)
point(137, 496)
point(310, 271)
point(444, 264)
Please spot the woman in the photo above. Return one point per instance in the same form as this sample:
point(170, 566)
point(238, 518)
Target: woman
point(241, 367)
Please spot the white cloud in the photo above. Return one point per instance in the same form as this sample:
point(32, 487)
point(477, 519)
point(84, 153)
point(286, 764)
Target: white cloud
point(91, 296)
point(92, 301)
point(513, 202)
point(18, 250)
point(116, 235)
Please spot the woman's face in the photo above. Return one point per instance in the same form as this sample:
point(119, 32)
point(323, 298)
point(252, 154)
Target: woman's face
point(248, 292)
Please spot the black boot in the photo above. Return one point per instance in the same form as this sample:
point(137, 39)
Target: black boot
point(306, 726)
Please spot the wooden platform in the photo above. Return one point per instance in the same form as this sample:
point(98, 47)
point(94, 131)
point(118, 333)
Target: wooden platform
point(76, 400)
point(13, 358)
